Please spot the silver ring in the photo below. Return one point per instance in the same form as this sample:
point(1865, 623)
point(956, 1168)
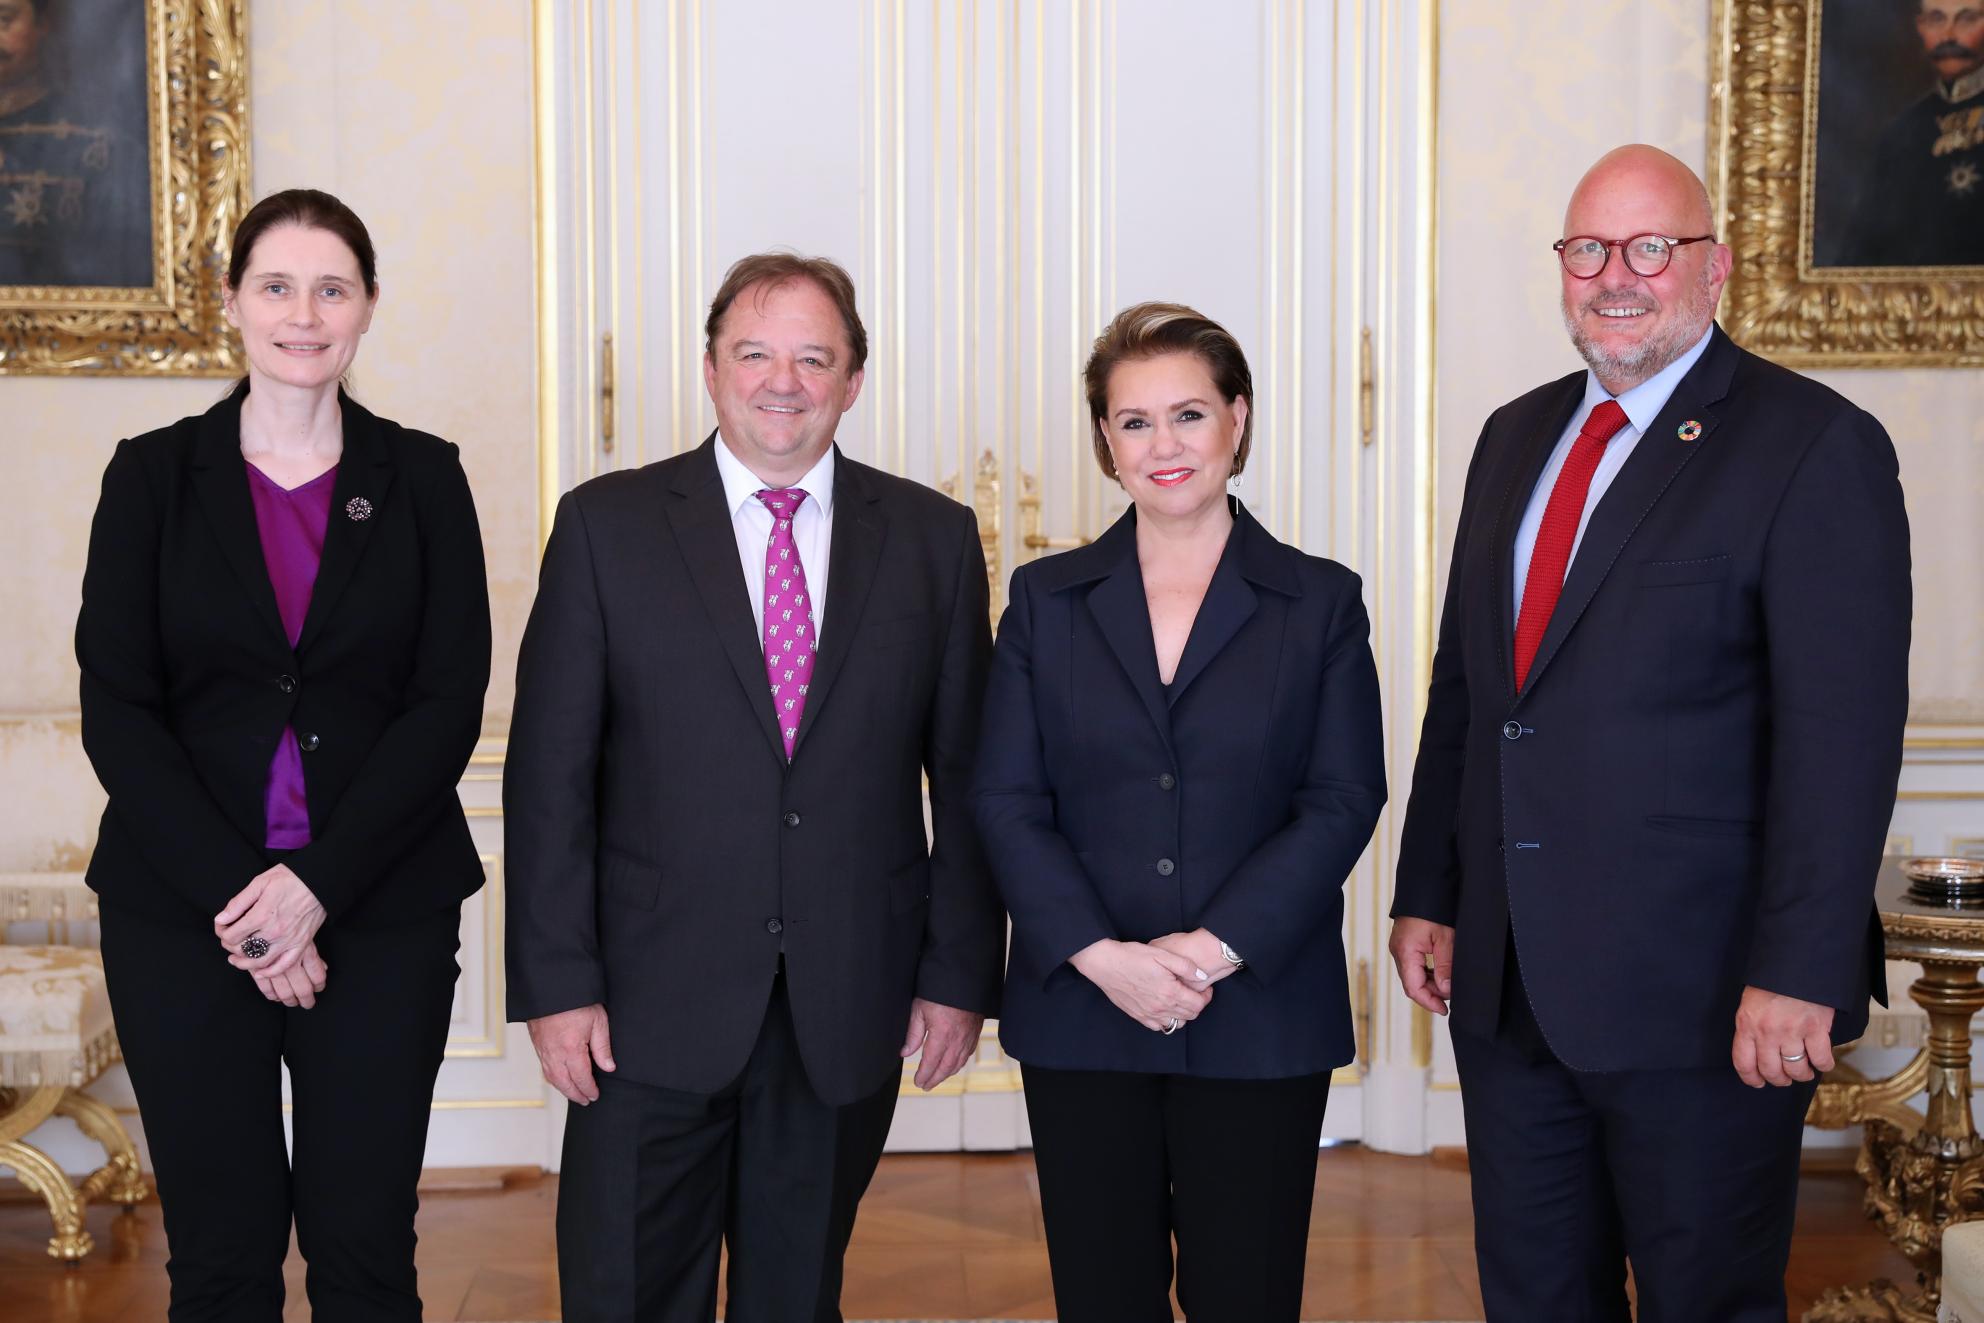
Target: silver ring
point(1172, 1027)
point(1799, 1057)
point(255, 946)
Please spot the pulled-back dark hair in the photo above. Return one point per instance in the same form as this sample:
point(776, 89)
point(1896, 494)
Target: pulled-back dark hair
point(313, 210)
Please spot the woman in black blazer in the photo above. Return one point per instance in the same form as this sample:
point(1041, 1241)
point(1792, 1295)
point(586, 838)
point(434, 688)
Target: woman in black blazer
point(1182, 760)
point(284, 642)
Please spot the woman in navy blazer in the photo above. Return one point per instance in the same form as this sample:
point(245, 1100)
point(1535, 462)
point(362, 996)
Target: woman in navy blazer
point(1182, 760)
point(284, 643)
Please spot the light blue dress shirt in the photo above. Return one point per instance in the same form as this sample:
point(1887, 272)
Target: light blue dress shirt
point(1642, 404)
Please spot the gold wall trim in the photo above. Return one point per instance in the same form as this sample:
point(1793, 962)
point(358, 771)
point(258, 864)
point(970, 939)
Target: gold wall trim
point(490, 1044)
point(544, 211)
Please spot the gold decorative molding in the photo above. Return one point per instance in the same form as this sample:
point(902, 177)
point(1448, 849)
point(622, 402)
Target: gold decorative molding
point(985, 503)
point(1763, 118)
point(490, 1042)
point(197, 62)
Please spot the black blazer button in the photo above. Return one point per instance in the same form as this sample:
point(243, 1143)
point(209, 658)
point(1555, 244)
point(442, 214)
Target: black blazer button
point(774, 926)
point(1167, 782)
point(286, 683)
point(1512, 730)
point(308, 743)
point(792, 819)
point(1165, 868)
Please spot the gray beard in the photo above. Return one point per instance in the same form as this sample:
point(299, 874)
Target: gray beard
point(1648, 357)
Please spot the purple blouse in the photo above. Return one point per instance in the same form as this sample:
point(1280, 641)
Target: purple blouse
point(292, 524)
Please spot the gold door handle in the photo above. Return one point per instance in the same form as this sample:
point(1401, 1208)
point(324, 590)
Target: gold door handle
point(606, 394)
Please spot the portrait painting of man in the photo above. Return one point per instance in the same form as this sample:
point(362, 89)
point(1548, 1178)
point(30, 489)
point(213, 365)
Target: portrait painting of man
point(75, 165)
point(1899, 160)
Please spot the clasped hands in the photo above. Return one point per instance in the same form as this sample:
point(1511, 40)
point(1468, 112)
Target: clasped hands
point(1779, 1040)
point(279, 908)
point(1161, 983)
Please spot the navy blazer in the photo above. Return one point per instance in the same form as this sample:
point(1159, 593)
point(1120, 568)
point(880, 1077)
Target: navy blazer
point(1237, 802)
point(1692, 791)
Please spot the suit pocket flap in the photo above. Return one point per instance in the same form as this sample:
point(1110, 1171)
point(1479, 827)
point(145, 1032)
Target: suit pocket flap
point(899, 629)
point(909, 887)
point(1724, 827)
point(1702, 569)
point(629, 883)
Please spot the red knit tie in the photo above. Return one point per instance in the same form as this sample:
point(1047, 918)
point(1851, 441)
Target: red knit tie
point(1559, 530)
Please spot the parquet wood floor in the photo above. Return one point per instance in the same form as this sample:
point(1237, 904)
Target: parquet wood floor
point(940, 1236)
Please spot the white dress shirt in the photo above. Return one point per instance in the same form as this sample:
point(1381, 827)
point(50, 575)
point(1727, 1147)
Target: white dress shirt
point(812, 528)
point(1642, 404)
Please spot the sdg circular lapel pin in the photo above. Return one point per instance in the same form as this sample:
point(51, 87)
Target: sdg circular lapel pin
point(1689, 431)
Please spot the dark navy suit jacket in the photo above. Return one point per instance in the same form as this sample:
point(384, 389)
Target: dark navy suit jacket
point(1692, 791)
point(1237, 802)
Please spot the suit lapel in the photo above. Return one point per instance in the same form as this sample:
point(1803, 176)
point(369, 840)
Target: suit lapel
point(1656, 461)
point(220, 477)
point(853, 553)
point(1228, 604)
point(1122, 613)
point(700, 519)
point(1543, 430)
point(364, 486)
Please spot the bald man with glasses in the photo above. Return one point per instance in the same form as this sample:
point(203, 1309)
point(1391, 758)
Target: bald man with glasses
point(1654, 781)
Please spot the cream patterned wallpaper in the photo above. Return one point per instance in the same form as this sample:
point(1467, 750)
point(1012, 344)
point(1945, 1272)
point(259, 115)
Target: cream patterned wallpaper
point(1530, 94)
point(420, 117)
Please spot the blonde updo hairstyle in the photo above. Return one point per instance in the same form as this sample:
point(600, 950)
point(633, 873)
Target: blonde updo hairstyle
point(1151, 330)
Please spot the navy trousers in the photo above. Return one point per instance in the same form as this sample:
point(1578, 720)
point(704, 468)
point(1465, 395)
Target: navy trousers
point(1690, 1174)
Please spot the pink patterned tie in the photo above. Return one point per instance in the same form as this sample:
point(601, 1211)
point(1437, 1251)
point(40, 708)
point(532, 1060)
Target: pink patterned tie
point(790, 639)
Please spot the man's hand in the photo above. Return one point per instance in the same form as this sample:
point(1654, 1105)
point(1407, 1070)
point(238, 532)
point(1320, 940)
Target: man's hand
point(947, 1037)
point(1155, 987)
point(298, 985)
point(279, 908)
point(568, 1044)
point(1202, 949)
point(1771, 1029)
point(1413, 940)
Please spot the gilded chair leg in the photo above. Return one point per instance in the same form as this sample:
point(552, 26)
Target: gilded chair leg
point(119, 1180)
point(70, 1242)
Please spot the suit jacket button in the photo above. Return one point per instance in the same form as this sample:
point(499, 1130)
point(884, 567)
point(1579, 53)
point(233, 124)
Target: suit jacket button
point(792, 819)
point(774, 926)
point(1167, 781)
point(1512, 730)
point(308, 743)
point(286, 683)
point(1165, 868)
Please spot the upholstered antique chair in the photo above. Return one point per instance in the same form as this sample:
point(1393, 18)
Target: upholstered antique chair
point(55, 1038)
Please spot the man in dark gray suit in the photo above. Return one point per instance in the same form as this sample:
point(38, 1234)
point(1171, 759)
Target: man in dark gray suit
point(727, 924)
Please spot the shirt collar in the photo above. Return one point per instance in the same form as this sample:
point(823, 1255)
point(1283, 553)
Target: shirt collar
point(740, 485)
point(1963, 88)
point(1644, 402)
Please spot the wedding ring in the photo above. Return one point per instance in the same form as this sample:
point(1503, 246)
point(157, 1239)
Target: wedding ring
point(1789, 1057)
point(1172, 1027)
point(255, 947)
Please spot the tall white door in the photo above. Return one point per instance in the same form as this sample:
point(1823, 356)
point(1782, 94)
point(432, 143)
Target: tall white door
point(1000, 176)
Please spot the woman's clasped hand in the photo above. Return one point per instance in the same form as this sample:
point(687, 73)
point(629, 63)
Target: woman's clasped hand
point(1156, 987)
point(278, 908)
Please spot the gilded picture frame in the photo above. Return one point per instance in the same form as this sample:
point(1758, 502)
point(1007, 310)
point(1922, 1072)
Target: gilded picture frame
point(92, 316)
point(1789, 298)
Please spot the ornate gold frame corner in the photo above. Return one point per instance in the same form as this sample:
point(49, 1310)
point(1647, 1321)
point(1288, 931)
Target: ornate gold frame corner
point(198, 72)
point(1763, 113)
